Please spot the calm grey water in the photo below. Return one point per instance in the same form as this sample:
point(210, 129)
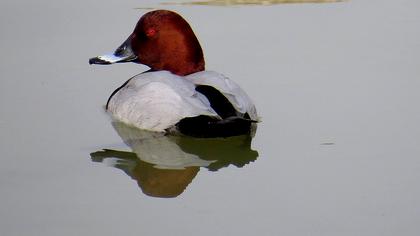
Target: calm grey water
point(337, 153)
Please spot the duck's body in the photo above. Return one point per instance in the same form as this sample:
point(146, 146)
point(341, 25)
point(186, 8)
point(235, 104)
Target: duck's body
point(156, 101)
point(177, 95)
point(161, 101)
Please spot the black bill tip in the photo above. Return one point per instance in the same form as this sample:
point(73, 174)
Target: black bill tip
point(98, 61)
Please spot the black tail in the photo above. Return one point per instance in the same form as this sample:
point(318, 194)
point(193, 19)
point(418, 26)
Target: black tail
point(210, 127)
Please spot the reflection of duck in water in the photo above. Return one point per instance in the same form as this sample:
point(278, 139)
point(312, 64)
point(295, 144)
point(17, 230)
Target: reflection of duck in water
point(177, 94)
point(153, 181)
point(164, 165)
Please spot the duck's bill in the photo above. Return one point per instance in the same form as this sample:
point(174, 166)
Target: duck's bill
point(124, 53)
point(109, 59)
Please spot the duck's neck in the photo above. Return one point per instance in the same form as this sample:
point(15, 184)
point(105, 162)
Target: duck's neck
point(181, 68)
point(181, 62)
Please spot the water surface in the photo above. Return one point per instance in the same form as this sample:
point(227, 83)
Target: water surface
point(247, 2)
point(336, 153)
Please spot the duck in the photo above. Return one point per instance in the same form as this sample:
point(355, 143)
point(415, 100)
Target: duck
point(176, 95)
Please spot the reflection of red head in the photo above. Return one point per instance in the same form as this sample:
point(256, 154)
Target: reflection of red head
point(163, 183)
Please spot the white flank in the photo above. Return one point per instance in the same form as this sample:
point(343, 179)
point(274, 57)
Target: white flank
point(156, 101)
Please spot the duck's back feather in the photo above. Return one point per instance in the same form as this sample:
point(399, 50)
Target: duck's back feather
point(158, 100)
point(235, 94)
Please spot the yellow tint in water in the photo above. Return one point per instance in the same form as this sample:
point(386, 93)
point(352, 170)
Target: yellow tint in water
point(248, 2)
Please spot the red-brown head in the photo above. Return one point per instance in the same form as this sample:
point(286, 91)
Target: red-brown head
point(162, 40)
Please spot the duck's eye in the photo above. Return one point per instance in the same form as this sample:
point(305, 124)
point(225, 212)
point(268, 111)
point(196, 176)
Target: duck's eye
point(150, 32)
